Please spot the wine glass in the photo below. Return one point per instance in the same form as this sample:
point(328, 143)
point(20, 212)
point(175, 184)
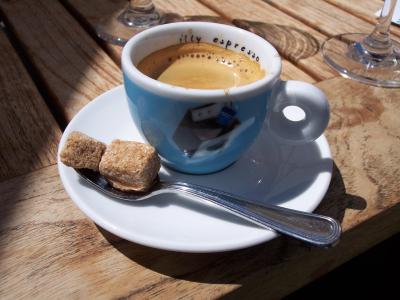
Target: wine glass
point(369, 58)
point(137, 16)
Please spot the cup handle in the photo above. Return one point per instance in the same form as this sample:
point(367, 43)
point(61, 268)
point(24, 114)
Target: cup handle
point(312, 109)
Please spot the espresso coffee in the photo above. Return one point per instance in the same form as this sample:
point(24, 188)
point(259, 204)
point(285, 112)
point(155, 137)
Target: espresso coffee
point(201, 66)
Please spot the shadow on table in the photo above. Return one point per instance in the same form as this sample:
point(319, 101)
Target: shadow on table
point(232, 267)
point(336, 200)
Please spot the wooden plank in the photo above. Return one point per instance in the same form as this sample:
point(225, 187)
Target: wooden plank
point(323, 16)
point(364, 194)
point(61, 251)
point(364, 10)
point(193, 8)
point(292, 72)
point(184, 7)
point(29, 134)
point(71, 65)
point(91, 11)
point(364, 134)
point(294, 40)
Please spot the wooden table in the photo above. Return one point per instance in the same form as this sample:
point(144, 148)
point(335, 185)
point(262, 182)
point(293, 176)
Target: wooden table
point(51, 65)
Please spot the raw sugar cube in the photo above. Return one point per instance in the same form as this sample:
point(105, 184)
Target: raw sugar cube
point(129, 165)
point(82, 152)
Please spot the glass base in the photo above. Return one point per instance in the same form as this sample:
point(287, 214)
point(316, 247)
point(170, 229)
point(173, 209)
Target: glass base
point(346, 54)
point(121, 26)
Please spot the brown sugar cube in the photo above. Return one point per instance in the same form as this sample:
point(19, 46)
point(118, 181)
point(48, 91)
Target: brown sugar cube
point(130, 166)
point(82, 152)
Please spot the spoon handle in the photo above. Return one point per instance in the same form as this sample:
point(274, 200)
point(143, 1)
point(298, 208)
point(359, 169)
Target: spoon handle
point(312, 228)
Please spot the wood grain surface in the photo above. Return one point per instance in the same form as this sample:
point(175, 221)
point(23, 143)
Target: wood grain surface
point(293, 39)
point(50, 249)
point(71, 65)
point(323, 16)
point(29, 134)
point(89, 262)
point(365, 10)
point(364, 135)
point(92, 11)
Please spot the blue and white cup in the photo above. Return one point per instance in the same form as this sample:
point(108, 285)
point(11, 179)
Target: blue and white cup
point(203, 131)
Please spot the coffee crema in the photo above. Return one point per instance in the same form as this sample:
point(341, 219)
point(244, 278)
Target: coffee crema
point(200, 66)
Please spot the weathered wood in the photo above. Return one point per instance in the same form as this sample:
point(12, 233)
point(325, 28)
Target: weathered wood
point(291, 72)
point(364, 193)
point(28, 132)
point(184, 7)
point(91, 11)
point(364, 9)
point(37, 243)
point(72, 66)
point(49, 249)
point(364, 134)
point(294, 40)
point(323, 16)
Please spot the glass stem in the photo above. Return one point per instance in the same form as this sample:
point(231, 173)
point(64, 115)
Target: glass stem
point(142, 6)
point(140, 13)
point(378, 43)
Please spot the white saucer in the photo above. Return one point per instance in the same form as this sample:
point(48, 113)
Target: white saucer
point(291, 176)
